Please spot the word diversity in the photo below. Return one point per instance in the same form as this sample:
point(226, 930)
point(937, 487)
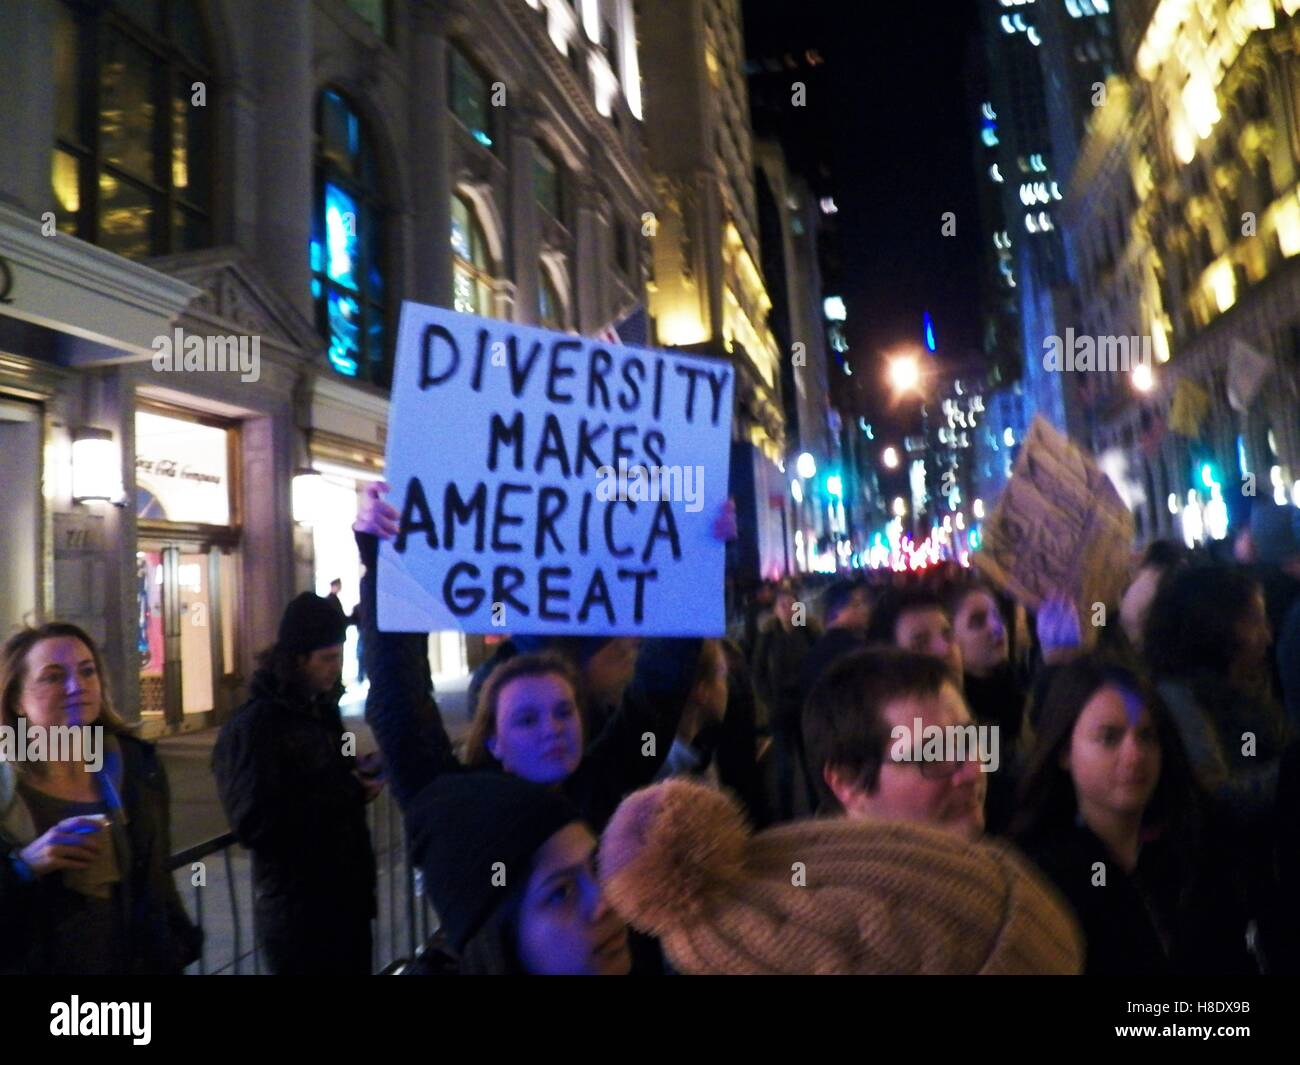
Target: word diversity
point(53, 743)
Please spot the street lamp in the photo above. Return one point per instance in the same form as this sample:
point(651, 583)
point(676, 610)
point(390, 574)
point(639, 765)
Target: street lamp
point(904, 373)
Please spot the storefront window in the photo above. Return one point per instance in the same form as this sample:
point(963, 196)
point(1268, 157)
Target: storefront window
point(347, 253)
point(130, 164)
point(181, 470)
point(186, 565)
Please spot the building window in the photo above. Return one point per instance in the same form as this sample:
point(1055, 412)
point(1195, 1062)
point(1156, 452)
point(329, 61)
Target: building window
point(471, 98)
point(550, 311)
point(621, 242)
point(132, 145)
point(548, 184)
point(347, 245)
point(471, 266)
point(375, 12)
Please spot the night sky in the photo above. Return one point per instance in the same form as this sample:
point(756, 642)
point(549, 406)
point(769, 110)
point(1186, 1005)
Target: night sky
point(890, 125)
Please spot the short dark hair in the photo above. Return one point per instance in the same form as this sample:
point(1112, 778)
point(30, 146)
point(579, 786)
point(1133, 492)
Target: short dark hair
point(844, 721)
point(837, 597)
point(893, 605)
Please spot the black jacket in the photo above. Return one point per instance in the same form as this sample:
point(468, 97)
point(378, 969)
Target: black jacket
point(404, 716)
point(158, 936)
point(290, 796)
point(1174, 915)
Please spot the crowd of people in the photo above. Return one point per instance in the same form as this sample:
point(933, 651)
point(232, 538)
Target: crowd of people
point(747, 804)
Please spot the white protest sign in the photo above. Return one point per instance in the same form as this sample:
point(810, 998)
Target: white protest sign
point(549, 484)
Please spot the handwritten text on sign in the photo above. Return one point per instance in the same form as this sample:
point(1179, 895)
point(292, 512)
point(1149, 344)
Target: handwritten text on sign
point(548, 483)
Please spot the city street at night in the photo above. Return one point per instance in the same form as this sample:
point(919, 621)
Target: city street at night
point(654, 488)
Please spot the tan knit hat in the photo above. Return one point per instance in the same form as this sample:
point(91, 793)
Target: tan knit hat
point(825, 896)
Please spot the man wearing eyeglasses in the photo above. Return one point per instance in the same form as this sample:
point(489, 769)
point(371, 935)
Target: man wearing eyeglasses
point(851, 722)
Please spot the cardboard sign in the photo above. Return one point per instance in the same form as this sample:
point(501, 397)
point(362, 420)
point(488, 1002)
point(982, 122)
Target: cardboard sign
point(550, 484)
point(1059, 524)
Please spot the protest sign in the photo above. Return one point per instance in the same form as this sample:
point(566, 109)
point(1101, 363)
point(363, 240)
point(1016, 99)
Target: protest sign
point(549, 484)
point(1059, 524)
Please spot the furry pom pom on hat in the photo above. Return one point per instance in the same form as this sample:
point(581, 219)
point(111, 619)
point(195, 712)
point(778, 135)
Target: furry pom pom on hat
point(825, 896)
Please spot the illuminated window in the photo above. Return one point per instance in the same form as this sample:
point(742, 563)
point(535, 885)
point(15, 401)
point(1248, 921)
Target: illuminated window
point(471, 265)
point(132, 146)
point(347, 245)
point(471, 98)
point(548, 184)
point(550, 311)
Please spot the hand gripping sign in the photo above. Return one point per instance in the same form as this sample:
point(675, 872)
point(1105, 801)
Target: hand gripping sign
point(552, 484)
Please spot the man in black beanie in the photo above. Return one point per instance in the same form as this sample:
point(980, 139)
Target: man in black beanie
point(294, 796)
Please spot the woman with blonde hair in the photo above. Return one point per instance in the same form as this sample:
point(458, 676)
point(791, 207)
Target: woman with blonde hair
point(84, 825)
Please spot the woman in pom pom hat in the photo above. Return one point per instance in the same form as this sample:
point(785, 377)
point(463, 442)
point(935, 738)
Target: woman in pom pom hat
point(825, 896)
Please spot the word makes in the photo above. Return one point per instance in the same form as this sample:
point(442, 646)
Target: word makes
point(946, 743)
point(103, 1018)
point(55, 743)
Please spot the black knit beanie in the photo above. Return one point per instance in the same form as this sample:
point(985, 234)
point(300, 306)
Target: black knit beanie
point(462, 825)
point(311, 622)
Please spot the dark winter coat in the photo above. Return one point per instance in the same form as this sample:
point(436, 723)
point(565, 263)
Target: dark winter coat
point(778, 669)
point(1175, 914)
point(291, 798)
point(404, 716)
point(155, 934)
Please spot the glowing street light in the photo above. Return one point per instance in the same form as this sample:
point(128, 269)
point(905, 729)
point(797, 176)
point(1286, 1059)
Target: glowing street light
point(904, 373)
point(806, 467)
point(890, 458)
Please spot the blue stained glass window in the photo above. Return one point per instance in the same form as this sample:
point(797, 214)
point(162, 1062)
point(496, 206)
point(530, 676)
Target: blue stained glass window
point(340, 236)
point(346, 248)
point(344, 322)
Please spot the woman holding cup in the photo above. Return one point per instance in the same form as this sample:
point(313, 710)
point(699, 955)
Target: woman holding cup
point(85, 827)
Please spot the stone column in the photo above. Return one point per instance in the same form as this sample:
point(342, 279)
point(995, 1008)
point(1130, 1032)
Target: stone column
point(523, 213)
point(285, 94)
point(589, 314)
point(431, 154)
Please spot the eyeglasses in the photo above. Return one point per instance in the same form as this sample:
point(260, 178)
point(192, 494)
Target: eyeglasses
point(942, 769)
